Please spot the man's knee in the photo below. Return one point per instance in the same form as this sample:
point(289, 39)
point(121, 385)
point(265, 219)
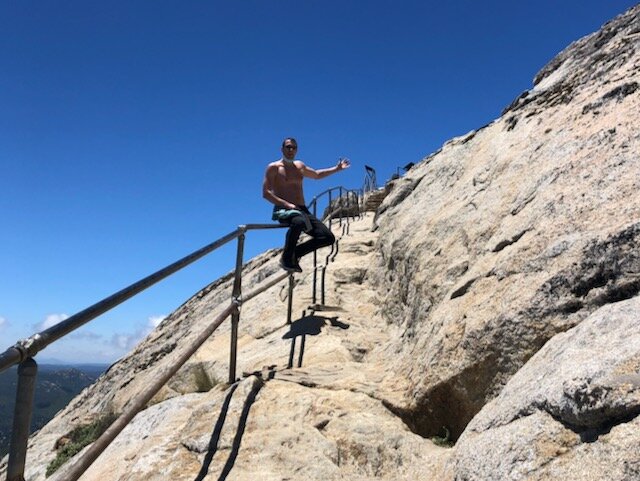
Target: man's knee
point(300, 220)
point(297, 223)
point(328, 239)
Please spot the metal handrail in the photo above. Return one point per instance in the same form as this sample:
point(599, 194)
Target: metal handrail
point(357, 192)
point(79, 466)
point(332, 189)
point(75, 470)
point(31, 346)
point(313, 205)
point(24, 351)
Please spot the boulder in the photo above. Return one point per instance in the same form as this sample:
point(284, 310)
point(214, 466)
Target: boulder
point(572, 412)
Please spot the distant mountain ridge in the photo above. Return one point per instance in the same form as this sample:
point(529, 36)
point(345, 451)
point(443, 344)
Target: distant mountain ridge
point(56, 385)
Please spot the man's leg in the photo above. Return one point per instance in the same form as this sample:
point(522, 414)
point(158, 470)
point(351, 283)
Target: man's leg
point(321, 237)
point(296, 227)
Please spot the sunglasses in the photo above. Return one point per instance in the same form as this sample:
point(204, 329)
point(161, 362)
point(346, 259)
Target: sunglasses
point(290, 147)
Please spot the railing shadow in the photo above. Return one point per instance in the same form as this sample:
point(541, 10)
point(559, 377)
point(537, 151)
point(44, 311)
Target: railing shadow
point(312, 326)
point(235, 448)
point(308, 326)
point(215, 436)
point(237, 440)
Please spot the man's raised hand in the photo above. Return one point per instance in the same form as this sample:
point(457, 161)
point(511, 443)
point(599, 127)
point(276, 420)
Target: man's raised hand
point(343, 163)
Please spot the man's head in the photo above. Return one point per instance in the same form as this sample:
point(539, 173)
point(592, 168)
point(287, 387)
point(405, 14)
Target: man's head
point(289, 148)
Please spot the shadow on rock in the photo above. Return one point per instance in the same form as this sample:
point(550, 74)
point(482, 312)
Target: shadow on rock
point(312, 326)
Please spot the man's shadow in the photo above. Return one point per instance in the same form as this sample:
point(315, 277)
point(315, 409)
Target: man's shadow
point(308, 326)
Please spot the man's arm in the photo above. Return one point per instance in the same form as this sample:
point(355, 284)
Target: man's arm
point(267, 188)
point(322, 173)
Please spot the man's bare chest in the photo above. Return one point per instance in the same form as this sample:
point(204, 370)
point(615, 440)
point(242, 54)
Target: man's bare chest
point(289, 175)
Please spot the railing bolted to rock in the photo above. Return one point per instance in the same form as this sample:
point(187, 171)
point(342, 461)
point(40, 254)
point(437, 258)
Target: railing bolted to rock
point(23, 352)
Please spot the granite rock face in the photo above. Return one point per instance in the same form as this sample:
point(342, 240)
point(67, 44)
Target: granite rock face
point(515, 233)
point(492, 300)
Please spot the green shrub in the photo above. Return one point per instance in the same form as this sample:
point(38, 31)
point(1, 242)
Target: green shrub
point(444, 441)
point(79, 438)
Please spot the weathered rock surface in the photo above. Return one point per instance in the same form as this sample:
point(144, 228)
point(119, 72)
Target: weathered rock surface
point(572, 412)
point(494, 297)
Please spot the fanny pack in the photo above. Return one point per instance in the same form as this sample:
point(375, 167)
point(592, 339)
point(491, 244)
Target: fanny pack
point(285, 215)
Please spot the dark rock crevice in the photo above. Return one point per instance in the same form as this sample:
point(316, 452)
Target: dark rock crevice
point(463, 289)
point(450, 404)
point(507, 242)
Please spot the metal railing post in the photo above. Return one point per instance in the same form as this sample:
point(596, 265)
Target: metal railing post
point(350, 197)
point(27, 372)
point(334, 252)
point(315, 261)
point(324, 271)
point(292, 353)
point(290, 300)
point(356, 198)
point(303, 340)
point(235, 317)
point(341, 206)
point(315, 277)
point(348, 202)
point(330, 215)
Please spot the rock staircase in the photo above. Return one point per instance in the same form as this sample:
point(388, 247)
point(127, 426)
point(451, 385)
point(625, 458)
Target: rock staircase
point(373, 199)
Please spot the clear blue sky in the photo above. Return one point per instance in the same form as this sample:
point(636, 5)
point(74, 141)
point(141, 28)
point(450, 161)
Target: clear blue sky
point(133, 133)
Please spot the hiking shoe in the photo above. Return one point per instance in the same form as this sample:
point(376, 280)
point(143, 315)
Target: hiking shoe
point(290, 267)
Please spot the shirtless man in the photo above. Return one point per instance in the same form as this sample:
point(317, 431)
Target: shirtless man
point(282, 187)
